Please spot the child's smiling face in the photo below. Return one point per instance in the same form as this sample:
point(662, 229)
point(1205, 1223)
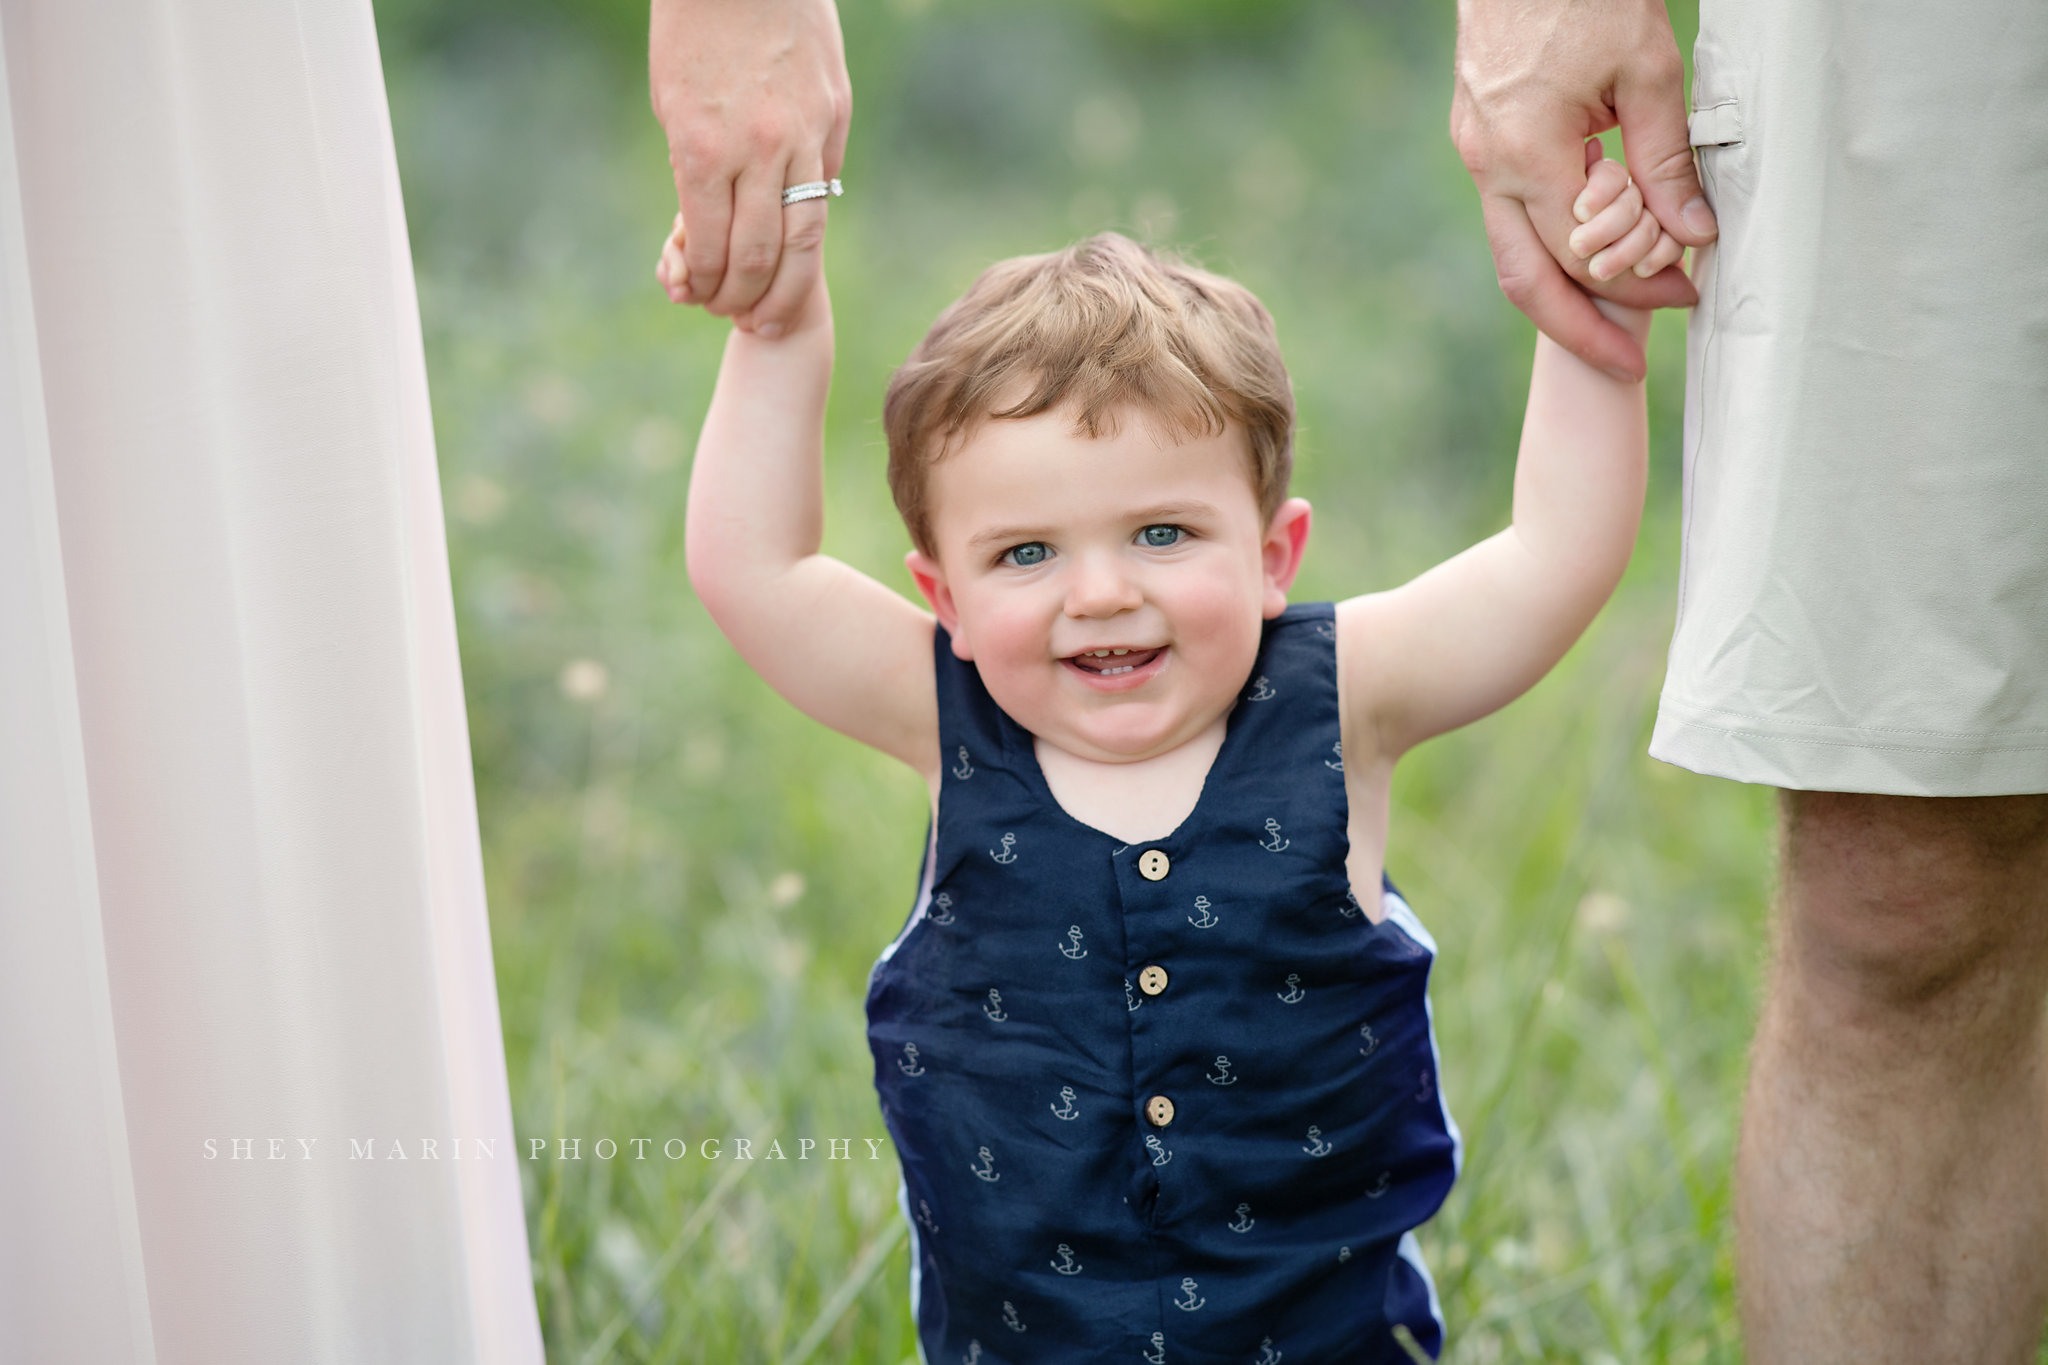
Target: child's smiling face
point(1109, 590)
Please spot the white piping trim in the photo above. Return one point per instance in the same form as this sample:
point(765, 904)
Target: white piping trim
point(924, 900)
point(1411, 1252)
point(917, 1266)
point(1398, 911)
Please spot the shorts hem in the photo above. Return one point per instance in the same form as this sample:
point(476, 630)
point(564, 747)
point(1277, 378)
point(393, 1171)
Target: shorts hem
point(1751, 749)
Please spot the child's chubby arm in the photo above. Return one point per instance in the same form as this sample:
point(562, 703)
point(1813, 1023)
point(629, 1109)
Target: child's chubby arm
point(1478, 630)
point(841, 647)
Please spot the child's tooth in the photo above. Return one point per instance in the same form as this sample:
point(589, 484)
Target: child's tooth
point(1119, 651)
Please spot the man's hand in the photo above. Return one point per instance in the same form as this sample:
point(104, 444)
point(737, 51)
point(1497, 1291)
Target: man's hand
point(754, 97)
point(1535, 79)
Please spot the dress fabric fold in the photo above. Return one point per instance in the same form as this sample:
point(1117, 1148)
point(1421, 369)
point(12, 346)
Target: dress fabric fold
point(253, 1081)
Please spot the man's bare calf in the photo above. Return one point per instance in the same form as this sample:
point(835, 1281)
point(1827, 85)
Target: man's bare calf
point(1892, 1182)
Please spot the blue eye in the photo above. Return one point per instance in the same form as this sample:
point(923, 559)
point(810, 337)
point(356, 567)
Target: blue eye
point(1159, 537)
point(1028, 556)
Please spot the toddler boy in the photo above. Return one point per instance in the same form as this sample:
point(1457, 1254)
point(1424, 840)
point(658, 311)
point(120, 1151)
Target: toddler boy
point(1153, 1045)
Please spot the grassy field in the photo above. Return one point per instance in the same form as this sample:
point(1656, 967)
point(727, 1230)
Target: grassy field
point(688, 881)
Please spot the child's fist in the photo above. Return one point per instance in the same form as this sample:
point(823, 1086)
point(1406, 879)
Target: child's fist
point(1616, 232)
point(670, 270)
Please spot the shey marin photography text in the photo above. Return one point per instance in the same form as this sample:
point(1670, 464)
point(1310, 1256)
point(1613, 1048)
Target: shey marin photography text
point(541, 1149)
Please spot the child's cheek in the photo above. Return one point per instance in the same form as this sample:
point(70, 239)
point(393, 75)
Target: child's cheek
point(1228, 647)
point(1008, 636)
point(1220, 615)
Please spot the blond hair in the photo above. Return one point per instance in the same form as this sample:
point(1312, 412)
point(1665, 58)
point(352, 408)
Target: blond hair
point(1104, 325)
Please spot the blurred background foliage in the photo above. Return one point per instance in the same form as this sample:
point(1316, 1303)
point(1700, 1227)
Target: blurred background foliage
point(688, 880)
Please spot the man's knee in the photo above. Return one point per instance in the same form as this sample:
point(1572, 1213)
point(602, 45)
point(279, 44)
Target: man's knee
point(1901, 901)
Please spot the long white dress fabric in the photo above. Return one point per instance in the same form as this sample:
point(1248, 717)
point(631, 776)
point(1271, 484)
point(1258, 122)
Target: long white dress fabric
point(241, 893)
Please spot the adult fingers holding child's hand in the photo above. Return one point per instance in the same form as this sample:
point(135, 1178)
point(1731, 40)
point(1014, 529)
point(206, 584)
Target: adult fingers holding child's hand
point(800, 268)
point(1534, 78)
point(745, 90)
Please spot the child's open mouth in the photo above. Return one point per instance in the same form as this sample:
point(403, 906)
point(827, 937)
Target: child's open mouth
point(1113, 663)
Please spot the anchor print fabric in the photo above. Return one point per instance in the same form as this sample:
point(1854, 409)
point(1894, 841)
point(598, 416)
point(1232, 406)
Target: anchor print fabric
point(1173, 1101)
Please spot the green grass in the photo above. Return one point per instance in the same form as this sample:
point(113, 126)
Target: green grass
point(688, 881)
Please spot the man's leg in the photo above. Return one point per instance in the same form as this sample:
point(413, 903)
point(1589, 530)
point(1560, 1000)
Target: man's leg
point(1892, 1180)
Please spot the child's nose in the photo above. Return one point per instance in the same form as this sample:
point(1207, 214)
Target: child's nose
point(1099, 587)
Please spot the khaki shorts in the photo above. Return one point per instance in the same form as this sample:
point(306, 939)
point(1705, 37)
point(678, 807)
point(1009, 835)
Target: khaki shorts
point(1863, 604)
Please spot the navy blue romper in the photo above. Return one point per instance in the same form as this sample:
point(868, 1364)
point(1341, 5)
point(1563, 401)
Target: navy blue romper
point(1174, 1101)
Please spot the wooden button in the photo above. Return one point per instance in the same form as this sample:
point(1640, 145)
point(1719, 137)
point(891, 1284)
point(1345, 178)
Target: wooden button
point(1153, 865)
point(1152, 980)
point(1159, 1110)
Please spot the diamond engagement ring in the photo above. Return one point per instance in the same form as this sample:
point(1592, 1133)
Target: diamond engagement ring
point(813, 189)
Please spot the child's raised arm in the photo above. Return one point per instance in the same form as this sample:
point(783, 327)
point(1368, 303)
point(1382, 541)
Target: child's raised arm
point(844, 649)
point(1478, 630)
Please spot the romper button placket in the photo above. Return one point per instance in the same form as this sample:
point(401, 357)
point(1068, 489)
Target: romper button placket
point(1159, 1110)
point(1152, 980)
point(1153, 865)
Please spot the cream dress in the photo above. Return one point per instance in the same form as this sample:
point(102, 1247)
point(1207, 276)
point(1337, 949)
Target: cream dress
point(241, 902)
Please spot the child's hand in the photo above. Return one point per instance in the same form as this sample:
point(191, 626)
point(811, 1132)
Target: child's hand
point(1616, 232)
point(670, 270)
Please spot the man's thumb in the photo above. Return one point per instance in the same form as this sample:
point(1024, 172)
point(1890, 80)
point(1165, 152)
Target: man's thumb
point(1658, 146)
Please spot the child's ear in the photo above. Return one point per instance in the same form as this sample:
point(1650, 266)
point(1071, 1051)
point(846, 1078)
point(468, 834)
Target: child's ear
point(931, 581)
point(1286, 539)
